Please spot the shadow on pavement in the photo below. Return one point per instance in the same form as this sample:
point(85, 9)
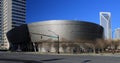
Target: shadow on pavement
point(20, 60)
point(53, 59)
point(86, 61)
point(28, 61)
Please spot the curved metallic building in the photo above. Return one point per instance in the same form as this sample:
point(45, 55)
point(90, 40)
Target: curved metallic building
point(40, 32)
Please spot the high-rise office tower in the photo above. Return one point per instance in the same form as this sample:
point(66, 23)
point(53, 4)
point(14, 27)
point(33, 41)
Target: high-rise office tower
point(105, 21)
point(12, 14)
point(117, 33)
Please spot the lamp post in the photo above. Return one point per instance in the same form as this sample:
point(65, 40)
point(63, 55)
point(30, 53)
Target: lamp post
point(58, 40)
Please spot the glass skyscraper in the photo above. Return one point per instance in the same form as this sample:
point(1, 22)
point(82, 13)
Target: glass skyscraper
point(12, 14)
point(105, 21)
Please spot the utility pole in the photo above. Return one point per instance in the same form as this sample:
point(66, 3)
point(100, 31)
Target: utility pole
point(58, 45)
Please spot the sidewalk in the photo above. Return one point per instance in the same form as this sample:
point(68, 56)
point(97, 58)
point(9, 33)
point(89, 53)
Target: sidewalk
point(92, 54)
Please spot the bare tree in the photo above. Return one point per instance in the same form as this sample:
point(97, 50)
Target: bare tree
point(116, 44)
point(64, 44)
point(101, 44)
point(56, 45)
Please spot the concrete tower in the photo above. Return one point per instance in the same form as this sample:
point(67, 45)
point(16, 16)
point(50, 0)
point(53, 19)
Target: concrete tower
point(117, 33)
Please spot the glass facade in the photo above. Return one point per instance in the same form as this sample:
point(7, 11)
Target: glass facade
point(0, 20)
point(12, 14)
point(18, 12)
point(106, 23)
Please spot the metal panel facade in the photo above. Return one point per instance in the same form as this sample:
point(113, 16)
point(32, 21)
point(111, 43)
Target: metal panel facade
point(37, 33)
point(70, 30)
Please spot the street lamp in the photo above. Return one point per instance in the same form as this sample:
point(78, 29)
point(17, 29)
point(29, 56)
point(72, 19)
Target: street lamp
point(58, 40)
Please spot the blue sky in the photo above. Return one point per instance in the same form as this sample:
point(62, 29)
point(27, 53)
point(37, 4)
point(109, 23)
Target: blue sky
point(86, 10)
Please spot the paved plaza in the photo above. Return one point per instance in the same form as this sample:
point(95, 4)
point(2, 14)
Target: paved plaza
point(21, 57)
